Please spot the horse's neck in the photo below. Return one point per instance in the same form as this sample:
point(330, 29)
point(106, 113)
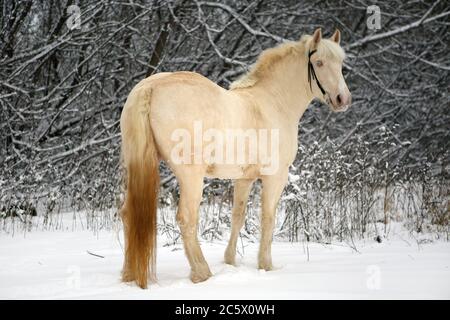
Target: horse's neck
point(286, 90)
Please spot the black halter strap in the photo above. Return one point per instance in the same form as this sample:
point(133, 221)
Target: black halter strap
point(312, 73)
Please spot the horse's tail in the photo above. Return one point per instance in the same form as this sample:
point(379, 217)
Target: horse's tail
point(141, 163)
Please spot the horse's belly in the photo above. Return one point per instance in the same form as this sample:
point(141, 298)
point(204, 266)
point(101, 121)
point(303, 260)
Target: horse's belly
point(224, 171)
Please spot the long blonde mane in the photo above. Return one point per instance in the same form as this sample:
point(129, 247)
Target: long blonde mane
point(270, 57)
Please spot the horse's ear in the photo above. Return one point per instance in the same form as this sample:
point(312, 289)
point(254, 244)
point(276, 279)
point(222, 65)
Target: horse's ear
point(317, 36)
point(336, 37)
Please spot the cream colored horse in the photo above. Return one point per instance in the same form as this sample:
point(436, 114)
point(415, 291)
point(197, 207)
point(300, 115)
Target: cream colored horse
point(273, 96)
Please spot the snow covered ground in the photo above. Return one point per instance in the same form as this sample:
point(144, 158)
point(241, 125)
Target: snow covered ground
point(58, 265)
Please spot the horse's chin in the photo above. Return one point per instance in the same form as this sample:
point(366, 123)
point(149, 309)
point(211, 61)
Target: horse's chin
point(338, 109)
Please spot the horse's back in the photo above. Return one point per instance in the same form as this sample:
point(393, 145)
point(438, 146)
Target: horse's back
point(180, 98)
point(181, 80)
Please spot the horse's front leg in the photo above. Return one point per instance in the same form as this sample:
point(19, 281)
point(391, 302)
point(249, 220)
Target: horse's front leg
point(272, 187)
point(191, 188)
point(242, 190)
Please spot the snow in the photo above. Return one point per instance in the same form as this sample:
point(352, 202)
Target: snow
point(58, 265)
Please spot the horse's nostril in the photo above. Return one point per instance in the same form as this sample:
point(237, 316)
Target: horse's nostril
point(338, 99)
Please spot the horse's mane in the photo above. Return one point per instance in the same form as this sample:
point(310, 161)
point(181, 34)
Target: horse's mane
point(269, 57)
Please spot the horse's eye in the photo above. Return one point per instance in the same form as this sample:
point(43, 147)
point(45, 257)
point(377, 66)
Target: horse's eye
point(319, 63)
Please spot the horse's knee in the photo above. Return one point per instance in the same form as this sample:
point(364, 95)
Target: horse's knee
point(268, 220)
point(182, 219)
point(186, 223)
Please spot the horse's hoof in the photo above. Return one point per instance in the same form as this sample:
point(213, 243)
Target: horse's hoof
point(265, 266)
point(197, 277)
point(127, 276)
point(230, 259)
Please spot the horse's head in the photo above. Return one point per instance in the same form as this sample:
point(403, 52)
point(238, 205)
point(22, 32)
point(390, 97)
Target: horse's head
point(325, 58)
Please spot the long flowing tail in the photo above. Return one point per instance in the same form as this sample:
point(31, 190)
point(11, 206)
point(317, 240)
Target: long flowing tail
point(140, 158)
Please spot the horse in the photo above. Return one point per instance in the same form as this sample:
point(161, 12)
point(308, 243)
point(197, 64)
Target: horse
point(272, 95)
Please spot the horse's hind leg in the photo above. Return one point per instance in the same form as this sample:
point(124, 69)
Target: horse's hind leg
point(127, 274)
point(272, 187)
point(241, 192)
point(191, 187)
